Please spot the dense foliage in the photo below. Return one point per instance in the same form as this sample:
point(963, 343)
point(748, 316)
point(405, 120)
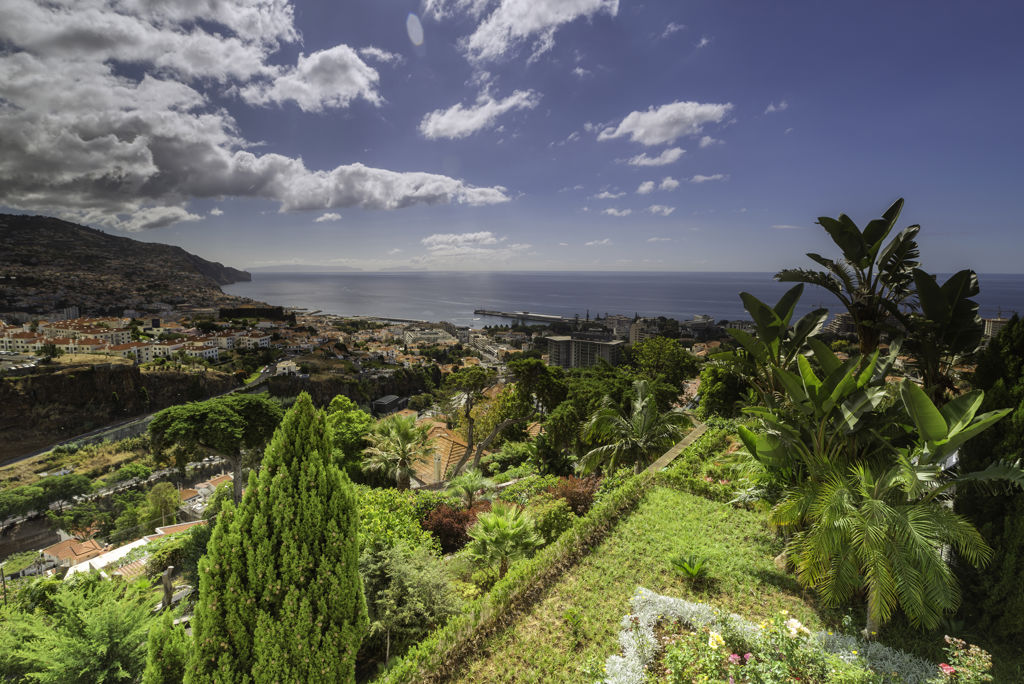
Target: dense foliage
point(88, 630)
point(280, 592)
point(994, 596)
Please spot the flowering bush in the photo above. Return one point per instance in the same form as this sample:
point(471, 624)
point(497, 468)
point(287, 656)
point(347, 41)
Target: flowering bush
point(783, 651)
point(780, 650)
point(967, 663)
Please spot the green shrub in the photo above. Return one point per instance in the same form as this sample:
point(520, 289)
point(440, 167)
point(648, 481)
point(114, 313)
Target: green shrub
point(515, 472)
point(128, 472)
point(551, 516)
point(521, 492)
point(389, 516)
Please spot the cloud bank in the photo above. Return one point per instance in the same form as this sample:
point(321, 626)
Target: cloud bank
point(85, 137)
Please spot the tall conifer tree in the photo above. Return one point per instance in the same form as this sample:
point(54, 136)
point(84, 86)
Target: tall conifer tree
point(280, 598)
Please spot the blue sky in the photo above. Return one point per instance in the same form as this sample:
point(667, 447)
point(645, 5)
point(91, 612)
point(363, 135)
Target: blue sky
point(516, 134)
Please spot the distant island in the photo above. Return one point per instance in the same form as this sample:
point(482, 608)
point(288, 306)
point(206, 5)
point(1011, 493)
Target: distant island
point(50, 264)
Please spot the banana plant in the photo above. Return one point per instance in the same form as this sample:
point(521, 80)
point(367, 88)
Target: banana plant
point(824, 414)
point(776, 345)
point(871, 280)
point(945, 326)
point(940, 432)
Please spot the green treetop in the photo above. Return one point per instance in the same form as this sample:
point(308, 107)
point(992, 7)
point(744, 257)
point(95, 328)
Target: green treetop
point(280, 598)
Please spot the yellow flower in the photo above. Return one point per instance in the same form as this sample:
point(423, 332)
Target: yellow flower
point(854, 652)
point(715, 640)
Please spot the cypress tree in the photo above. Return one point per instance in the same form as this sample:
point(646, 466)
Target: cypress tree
point(280, 598)
point(168, 652)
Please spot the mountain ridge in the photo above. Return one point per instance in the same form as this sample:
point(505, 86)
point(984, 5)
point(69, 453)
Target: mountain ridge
point(49, 264)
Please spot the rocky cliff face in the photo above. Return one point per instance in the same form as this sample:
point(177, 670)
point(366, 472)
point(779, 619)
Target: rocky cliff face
point(42, 409)
point(49, 264)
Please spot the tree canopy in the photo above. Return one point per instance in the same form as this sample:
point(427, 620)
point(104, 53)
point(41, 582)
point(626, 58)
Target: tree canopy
point(235, 426)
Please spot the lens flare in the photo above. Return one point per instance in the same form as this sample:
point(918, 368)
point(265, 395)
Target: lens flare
point(414, 28)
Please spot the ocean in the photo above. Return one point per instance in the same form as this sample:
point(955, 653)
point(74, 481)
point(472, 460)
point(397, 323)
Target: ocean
point(452, 296)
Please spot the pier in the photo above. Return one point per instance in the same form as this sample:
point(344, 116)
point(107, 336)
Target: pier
point(523, 316)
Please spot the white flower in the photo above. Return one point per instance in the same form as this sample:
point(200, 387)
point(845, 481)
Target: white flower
point(795, 628)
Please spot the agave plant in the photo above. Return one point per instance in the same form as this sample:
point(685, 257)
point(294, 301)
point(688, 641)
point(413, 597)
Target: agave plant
point(692, 566)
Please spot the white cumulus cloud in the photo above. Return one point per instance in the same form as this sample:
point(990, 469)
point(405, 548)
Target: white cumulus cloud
point(604, 242)
point(216, 212)
point(669, 156)
point(668, 123)
point(329, 216)
point(660, 210)
point(458, 121)
point(699, 178)
point(773, 107)
point(707, 141)
point(511, 23)
point(659, 239)
point(668, 183)
point(617, 212)
point(646, 188)
point(325, 79)
point(609, 195)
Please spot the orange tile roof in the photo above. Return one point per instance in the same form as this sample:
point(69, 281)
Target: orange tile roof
point(216, 481)
point(74, 550)
point(187, 494)
point(449, 448)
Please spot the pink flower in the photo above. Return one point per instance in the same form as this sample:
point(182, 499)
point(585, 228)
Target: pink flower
point(747, 657)
point(947, 669)
point(734, 658)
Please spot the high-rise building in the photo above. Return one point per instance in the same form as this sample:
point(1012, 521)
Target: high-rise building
point(571, 352)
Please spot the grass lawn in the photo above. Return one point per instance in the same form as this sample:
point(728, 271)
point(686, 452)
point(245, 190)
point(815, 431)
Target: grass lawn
point(542, 647)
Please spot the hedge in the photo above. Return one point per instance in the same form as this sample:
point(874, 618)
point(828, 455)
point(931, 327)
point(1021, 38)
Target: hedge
point(441, 653)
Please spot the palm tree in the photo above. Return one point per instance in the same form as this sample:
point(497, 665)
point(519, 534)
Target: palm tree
point(871, 281)
point(502, 536)
point(397, 444)
point(869, 514)
point(466, 485)
point(633, 436)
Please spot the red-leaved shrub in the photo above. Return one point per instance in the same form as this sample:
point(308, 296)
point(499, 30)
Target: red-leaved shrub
point(577, 491)
point(450, 525)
